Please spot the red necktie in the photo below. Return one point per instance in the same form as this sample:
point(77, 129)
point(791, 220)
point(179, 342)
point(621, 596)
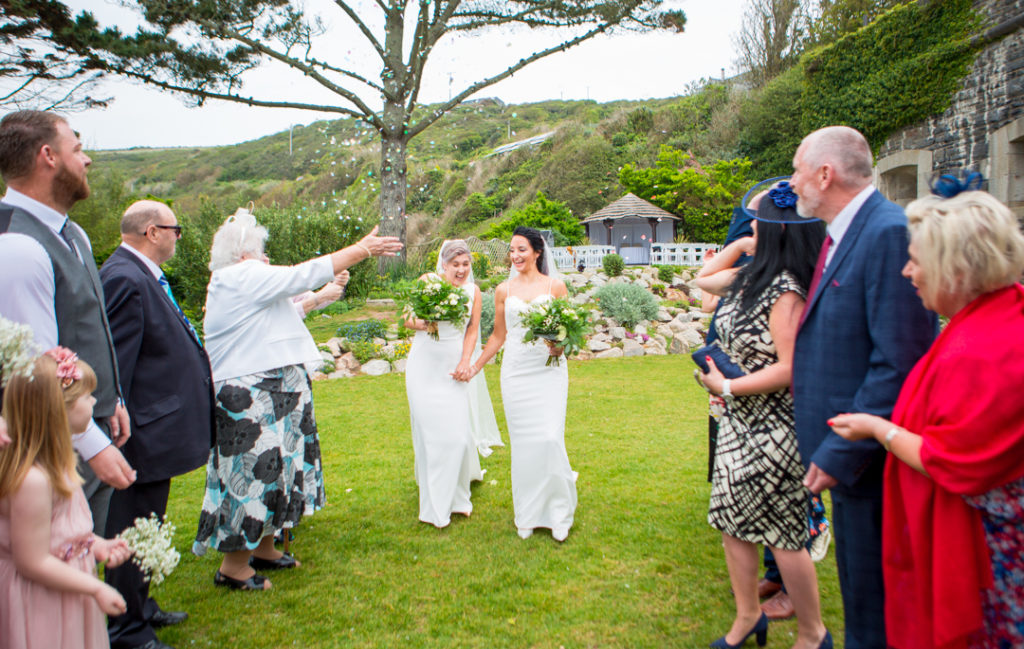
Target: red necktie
point(819, 268)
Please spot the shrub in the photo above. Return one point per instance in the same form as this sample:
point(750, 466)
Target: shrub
point(486, 315)
point(365, 351)
point(613, 265)
point(362, 330)
point(481, 265)
point(666, 273)
point(627, 303)
point(658, 289)
point(400, 350)
point(542, 214)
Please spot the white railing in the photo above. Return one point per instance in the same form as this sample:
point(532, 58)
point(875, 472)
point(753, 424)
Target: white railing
point(591, 256)
point(680, 254)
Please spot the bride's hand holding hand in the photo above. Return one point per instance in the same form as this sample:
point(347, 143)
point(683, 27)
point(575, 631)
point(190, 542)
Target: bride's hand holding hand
point(463, 372)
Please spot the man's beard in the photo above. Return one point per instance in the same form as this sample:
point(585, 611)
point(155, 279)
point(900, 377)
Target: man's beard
point(68, 188)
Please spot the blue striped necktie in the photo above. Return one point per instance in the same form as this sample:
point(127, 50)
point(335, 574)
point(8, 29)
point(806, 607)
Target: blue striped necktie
point(167, 289)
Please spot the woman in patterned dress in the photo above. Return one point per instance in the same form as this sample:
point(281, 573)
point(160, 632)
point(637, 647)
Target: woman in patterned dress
point(264, 470)
point(757, 494)
point(952, 537)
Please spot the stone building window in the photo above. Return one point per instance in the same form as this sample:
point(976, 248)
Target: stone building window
point(903, 176)
point(1006, 166)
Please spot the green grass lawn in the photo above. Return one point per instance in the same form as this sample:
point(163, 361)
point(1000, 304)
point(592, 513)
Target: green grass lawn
point(641, 567)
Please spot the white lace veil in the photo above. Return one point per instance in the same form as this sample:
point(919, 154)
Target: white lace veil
point(482, 423)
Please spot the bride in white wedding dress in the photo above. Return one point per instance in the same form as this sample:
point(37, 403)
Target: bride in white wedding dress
point(446, 414)
point(534, 395)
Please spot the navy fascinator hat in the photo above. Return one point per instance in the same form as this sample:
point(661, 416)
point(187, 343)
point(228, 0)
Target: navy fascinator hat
point(778, 205)
point(951, 184)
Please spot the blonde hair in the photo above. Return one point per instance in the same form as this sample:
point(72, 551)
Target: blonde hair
point(35, 409)
point(967, 245)
point(239, 235)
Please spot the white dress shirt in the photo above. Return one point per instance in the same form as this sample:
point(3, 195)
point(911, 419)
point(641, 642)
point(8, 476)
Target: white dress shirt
point(150, 264)
point(24, 264)
point(251, 324)
point(839, 225)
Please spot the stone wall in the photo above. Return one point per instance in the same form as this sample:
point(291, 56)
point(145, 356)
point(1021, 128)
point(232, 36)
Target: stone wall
point(982, 130)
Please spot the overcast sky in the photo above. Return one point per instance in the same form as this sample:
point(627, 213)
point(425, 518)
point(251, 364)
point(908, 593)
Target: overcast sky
point(621, 66)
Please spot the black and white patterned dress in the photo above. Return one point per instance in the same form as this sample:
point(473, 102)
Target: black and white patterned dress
point(757, 493)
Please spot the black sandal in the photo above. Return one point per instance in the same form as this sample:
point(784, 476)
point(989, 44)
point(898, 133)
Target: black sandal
point(252, 583)
point(286, 560)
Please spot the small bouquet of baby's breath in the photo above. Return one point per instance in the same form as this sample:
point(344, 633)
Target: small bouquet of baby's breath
point(153, 545)
point(435, 300)
point(17, 350)
point(558, 323)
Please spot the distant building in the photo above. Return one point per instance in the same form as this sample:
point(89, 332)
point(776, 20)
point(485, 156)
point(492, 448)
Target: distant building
point(631, 224)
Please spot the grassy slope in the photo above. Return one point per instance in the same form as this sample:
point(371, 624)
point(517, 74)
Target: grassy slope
point(641, 567)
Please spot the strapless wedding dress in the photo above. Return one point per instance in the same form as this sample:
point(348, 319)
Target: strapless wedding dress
point(534, 396)
point(439, 411)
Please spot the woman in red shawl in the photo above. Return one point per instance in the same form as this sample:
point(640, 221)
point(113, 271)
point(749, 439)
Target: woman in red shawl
point(952, 532)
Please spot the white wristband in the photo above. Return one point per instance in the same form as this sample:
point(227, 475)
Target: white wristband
point(727, 388)
point(891, 435)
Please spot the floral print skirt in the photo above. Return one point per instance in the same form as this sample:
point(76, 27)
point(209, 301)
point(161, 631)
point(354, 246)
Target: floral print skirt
point(264, 472)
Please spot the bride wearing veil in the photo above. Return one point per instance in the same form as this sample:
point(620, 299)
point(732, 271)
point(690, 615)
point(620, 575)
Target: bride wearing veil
point(448, 417)
point(534, 395)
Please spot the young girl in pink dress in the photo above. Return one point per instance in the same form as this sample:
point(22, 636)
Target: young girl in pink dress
point(48, 553)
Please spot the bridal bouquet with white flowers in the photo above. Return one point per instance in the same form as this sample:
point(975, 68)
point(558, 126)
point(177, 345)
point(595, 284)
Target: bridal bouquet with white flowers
point(17, 350)
point(153, 545)
point(435, 300)
point(558, 323)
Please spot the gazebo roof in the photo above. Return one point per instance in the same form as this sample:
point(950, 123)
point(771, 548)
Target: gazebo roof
point(630, 205)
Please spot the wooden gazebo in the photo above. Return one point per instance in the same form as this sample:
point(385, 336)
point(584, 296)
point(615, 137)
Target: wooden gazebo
point(631, 224)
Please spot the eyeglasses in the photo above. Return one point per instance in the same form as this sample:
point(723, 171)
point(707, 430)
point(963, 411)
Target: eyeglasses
point(176, 228)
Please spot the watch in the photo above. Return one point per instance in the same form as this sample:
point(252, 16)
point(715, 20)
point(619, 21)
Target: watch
point(727, 388)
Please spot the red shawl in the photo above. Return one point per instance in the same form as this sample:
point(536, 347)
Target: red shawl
point(964, 397)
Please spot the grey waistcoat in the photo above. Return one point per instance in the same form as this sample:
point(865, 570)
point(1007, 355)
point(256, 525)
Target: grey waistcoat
point(81, 311)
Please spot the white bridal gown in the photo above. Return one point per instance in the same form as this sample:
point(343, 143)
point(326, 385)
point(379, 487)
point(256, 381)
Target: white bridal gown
point(446, 454)
point(543, 483)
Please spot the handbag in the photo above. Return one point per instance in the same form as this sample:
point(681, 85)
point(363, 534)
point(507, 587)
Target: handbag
point(726, 366)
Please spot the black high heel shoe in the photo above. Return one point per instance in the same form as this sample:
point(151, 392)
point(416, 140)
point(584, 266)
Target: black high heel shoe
point(761, 629)
point(826, 642)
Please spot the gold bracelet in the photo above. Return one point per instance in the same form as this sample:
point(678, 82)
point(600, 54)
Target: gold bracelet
point(891, 435)
point(368, 253)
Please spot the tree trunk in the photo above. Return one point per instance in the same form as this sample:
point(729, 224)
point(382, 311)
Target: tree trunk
point(393, 178)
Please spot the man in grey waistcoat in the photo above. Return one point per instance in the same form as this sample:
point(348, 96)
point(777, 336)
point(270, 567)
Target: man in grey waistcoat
point(50, 281)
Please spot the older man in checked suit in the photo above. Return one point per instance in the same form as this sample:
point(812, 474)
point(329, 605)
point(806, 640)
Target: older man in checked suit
point(862, 331)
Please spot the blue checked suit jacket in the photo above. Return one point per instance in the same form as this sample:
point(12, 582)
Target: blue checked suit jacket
point(864, 331)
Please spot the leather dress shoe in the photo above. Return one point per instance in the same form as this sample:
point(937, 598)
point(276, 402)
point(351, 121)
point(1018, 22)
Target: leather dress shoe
point(161, 619)
point(779, 607)
point(154, 644)
point(767, 588)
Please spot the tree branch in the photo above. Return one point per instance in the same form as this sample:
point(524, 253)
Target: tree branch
point(299, 65)
point(363, 27)
point(434, 115)
point(249, 101)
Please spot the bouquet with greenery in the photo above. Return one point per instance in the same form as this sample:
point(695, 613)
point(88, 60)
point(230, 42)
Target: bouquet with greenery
point(558, 323)
point(435, 300)
point(153, 545)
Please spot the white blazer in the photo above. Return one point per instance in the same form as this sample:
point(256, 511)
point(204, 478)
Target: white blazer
point(251, 324)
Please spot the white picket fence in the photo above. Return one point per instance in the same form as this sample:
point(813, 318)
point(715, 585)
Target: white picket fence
point(680, 254)
point(673, 254)
point(591, 256)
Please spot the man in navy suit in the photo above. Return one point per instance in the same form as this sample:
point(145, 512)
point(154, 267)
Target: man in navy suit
point(166, 383)
point(862, 331)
